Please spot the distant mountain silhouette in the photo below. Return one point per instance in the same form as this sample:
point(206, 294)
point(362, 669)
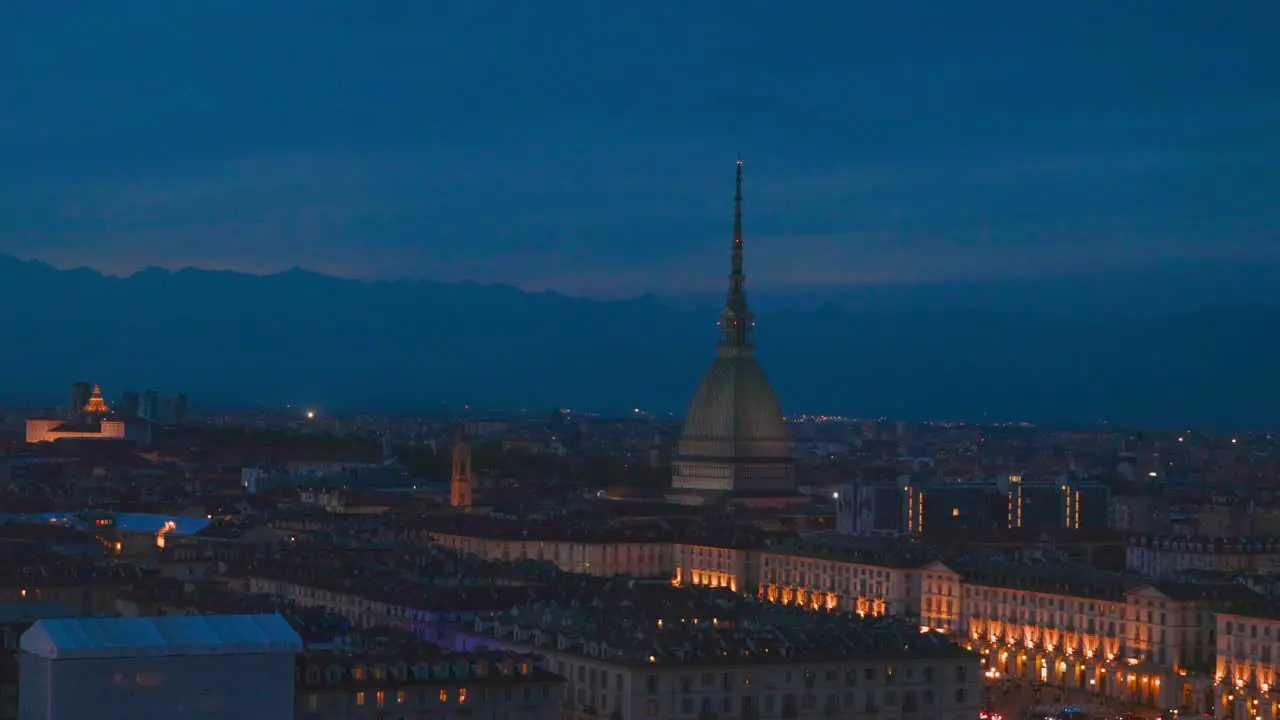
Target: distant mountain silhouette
point(230, 340)
point(1163, 288)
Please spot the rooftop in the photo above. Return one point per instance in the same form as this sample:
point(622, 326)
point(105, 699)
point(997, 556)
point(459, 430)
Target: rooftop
point(860, 551)
point(79, 638)
point(385, 658)
point(573, 529)
point(1053, 579)
point(649, 624)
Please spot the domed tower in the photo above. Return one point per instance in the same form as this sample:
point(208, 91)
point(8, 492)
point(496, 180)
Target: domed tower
point(734, 439)
point(96, 406)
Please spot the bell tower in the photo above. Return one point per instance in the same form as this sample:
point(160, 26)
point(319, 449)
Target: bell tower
point(460, 479)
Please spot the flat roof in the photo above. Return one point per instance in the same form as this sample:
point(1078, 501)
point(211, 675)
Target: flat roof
point(78, 638)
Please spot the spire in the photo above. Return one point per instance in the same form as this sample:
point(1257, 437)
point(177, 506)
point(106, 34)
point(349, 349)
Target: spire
point(735, 318)
point(737, 225)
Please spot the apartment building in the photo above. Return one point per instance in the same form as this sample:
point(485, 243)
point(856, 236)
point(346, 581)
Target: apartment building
point(848, 578)
point(665, 652)
point(1167, 557)
point(407, 679)
point(638, 550)
point(1148, 643)
point(1248, 652)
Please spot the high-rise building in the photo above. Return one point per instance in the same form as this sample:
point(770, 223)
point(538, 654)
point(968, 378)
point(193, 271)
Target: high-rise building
point(129, 405)
point(173, 409)
point(734, 439)
point(872, 508)
point(80, 393)
point(149, 407)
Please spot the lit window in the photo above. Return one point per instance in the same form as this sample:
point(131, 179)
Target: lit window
point(382, 698)
point(358, 673)
point(399, 697)
point(360, 698)
point(955, 512)
point(462, 695)
point(444, 695)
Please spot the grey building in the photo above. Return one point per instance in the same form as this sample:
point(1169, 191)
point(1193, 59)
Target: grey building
point(193, 667)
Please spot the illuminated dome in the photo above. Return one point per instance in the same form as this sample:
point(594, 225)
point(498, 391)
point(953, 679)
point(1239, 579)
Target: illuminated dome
point(735, 402)
point(96, 405)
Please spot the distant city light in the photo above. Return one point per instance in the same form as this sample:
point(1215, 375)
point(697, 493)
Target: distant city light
point(311, 414)
point(835, 496)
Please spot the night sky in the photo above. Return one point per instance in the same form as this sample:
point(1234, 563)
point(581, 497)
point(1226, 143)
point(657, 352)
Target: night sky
point(589, 146)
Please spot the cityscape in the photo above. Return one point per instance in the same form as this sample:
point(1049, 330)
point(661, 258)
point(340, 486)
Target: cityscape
point(381, 361)
point(733, 564)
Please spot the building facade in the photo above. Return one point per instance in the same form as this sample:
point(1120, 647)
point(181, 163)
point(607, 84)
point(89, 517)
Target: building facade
point(145, 668)
point(709, 667)
point(338, 685)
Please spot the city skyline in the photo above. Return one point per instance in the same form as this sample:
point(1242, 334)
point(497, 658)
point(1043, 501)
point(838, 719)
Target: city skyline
point(376, 140)
point(371, 359)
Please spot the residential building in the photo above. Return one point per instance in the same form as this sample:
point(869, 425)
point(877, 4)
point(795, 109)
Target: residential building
point(663, 652)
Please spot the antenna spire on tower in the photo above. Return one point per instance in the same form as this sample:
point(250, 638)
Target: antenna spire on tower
point(736, 319)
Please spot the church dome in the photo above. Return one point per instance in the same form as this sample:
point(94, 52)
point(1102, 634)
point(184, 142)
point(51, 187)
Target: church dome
point(735, 403)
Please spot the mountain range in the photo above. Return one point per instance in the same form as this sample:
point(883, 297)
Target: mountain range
point(232, 340)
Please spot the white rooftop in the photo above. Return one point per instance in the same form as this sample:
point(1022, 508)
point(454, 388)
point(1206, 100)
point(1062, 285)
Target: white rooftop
point(70, 638)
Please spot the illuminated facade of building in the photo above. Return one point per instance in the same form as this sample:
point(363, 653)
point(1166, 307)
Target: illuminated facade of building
point(92, 420)
point(734, 568)
point(1248, 653)
point(859, 583)
point(47, 430)
point(1152, 645)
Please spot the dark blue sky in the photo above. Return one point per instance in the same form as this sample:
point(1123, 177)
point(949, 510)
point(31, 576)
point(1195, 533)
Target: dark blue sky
point(588, 146)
